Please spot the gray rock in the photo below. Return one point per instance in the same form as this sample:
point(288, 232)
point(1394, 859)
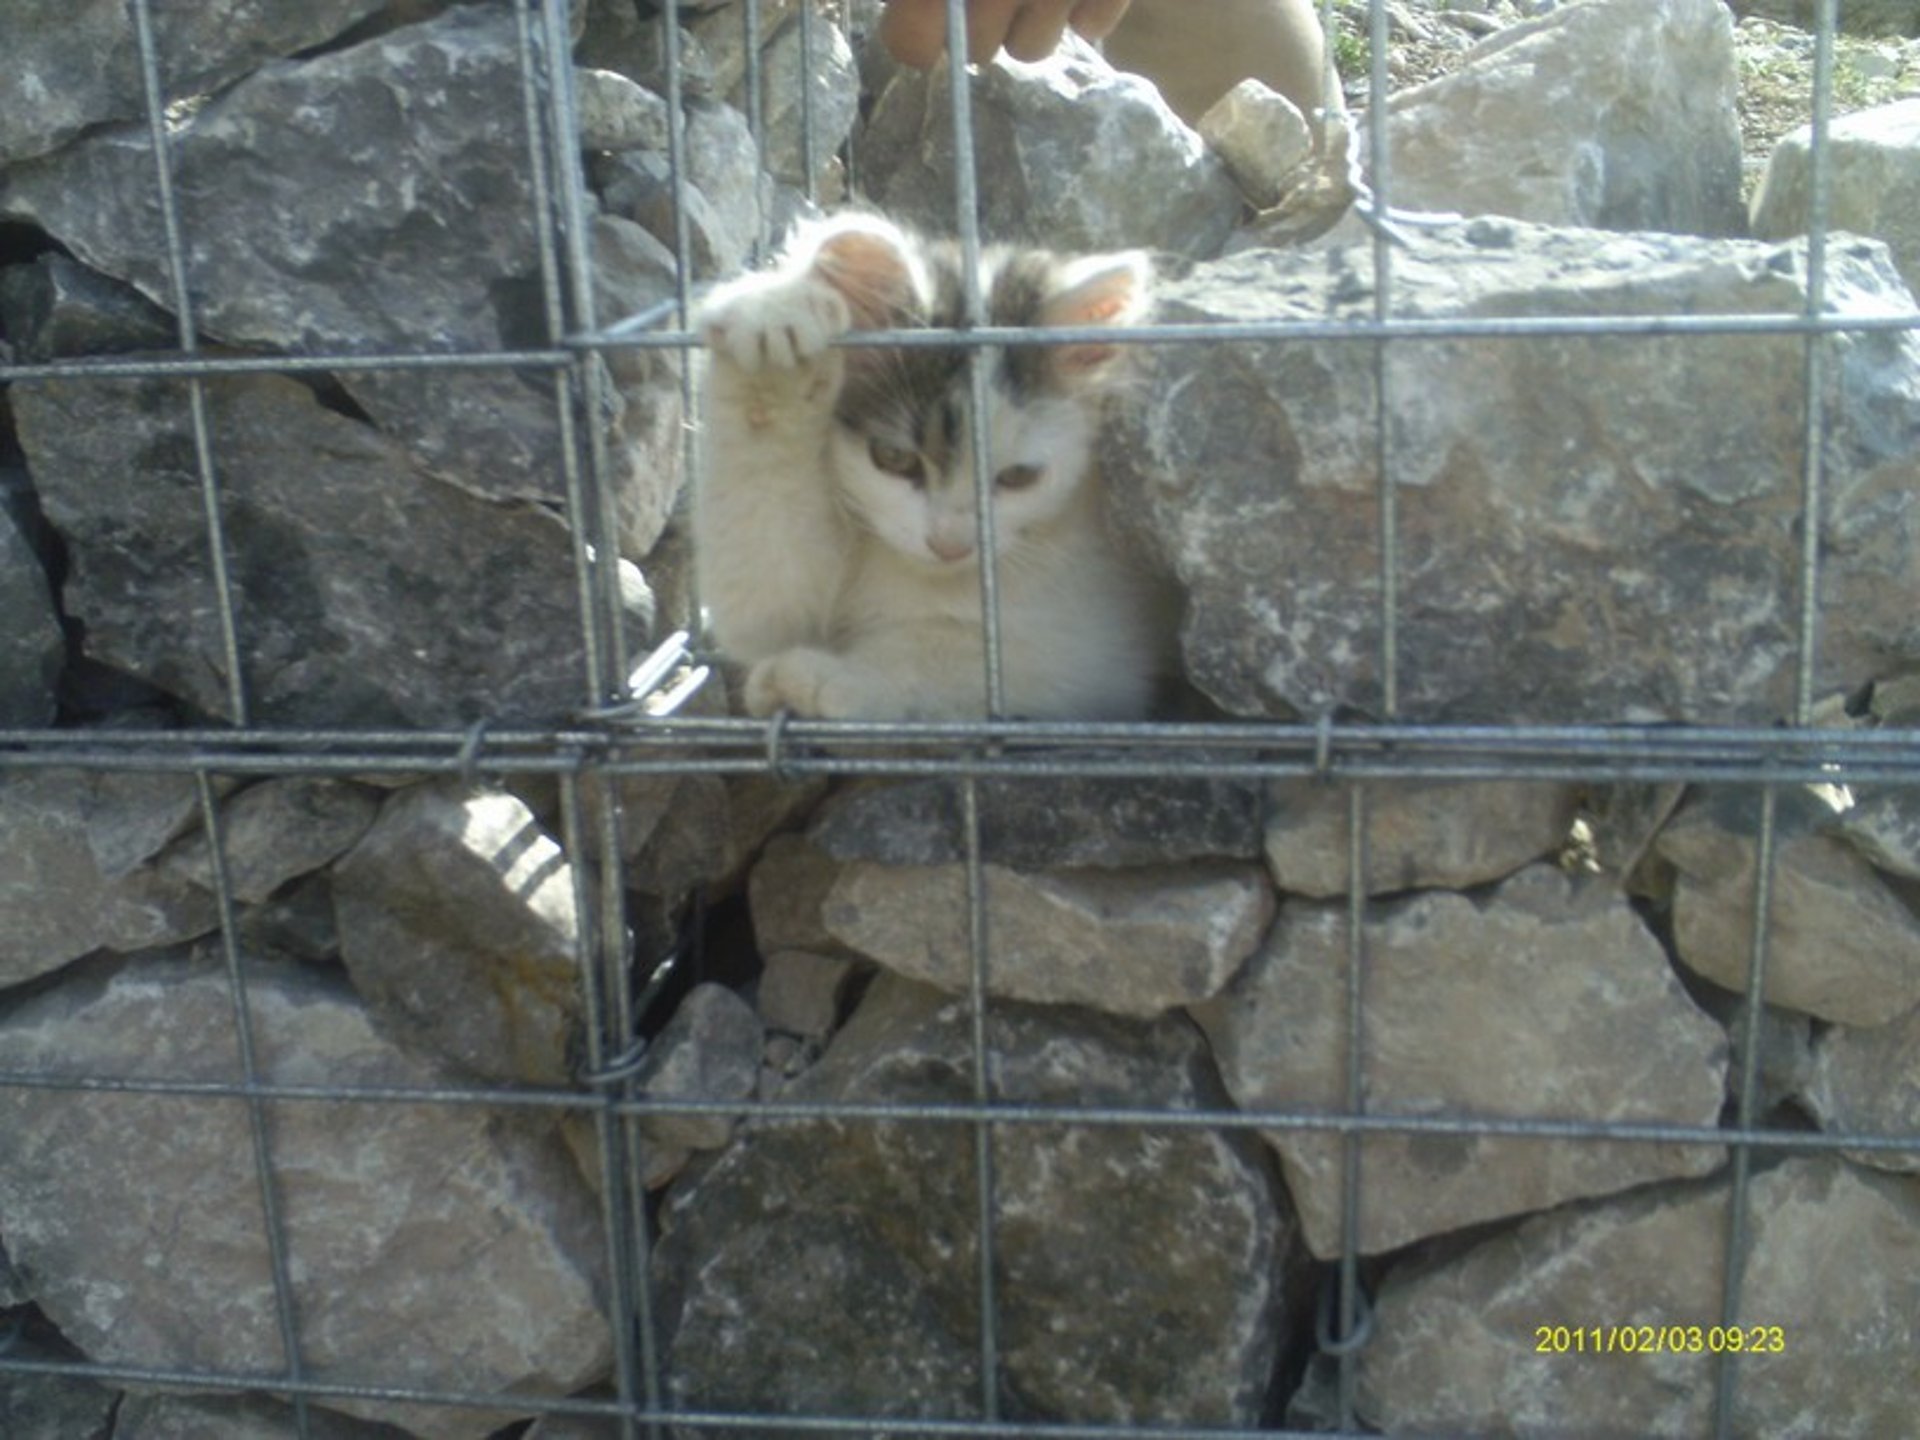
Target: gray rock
point(1868, 1081)
point(709, 1050)
point(1615, 114)
point(56, 307)
point(1858, 17)
point(1071, 155)
point(825, 78)
point(1044, 821)
point(1262, 137)
point(1420, 834)
point(1251, 469)
point(405, 1222)
point(72, 879)
point(1841, 944)
point(832, 1268)
point(1786, 1047)
point(800, 993)
point(1873, 169)
point(785, 893)
point(1547, 998)
point(723, 190)
point(32, 646)
point(54, 1407)
point(457, 919)
point(75, 64)
point(299, 241)
point(1128, 942)
point(235, 1417)
point(617, 114)
point(277, 831)
point(1884, 826)
point(1831, 1277)
point(367, 592)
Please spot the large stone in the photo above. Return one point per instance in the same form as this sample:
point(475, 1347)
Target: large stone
point(54, 1407)
point(1548, 998)
point(1591, 528)
point(1873, 176)
point(379, 198)
point(1420, 834)
point(833, 1267)
point(430, 1246)
point(75, 64)
point(1868, 1081)
point(457, 919)
point(1614, 114)
point(1067, 821)
point(1262, 137)
point(1129, 942)
point(276, 831)
point(1828, 1304)
point(824, 80)
point(367, 592)
point(72, 877)
point(709, 1050)
point(1841, 943)
point(1884, 826)
point(1071, 155)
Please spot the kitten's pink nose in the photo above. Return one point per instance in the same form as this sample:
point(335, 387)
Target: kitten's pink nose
point(950, 547)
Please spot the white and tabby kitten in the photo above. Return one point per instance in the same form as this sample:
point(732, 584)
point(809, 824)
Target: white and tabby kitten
point(834, 525)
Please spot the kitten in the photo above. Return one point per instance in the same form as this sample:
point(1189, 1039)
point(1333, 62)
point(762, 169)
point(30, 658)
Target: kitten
point(834, 525)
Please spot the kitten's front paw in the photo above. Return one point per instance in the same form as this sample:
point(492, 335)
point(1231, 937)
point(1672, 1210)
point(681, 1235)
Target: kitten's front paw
point(799, 680)
point(774, 321)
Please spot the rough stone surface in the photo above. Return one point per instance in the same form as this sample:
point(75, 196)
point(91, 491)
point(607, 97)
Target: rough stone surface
point(1072, 155)
point(710, 1050)
point(1834, 1260)
point(1884, 826)
point(1420, 834)
point(54, 1407)
point(378, 198)
point(75, 64)
point(367, 592)
point(1547, 998)
point(56, 308)
point(32, 648)
point(831, 88)
point(1040, 821)
point(869, 1230)
point(724, 193)
point(235, 1417)
point(1615, 114)
point(800, 993)
point(1129, 942)
point(617, 114)
point(1582, 535)
point(1868, 1081)
point(785, 893)
point(436, 1247)
point(1873, 168)
point(1262, 138)
point(457, 919)
point(72, 878)
point(276, 831)
point(1841, 944)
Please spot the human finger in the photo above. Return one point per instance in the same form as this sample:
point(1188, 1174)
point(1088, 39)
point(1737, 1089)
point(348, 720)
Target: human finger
point(914, 31)
point(1037, 28)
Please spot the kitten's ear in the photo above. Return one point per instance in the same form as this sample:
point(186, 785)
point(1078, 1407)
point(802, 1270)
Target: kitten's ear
point(873, 266)
point(1099, 290)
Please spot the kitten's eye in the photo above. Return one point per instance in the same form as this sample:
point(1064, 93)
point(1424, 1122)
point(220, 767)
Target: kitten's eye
point(896, 460)
point(1017, 477)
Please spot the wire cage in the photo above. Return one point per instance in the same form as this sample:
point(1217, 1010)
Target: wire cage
point(626, 726)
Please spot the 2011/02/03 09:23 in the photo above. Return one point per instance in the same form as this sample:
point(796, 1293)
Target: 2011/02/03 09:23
point(1659, 1339)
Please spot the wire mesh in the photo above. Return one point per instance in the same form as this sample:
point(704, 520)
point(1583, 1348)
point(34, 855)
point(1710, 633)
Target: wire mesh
point(589, 753)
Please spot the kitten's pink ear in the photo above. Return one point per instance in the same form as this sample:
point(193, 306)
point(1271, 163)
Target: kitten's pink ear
point(871, 264)
point(1100, 290)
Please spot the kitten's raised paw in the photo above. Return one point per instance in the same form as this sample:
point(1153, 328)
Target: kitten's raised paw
point(774, 321)
point(800, 680)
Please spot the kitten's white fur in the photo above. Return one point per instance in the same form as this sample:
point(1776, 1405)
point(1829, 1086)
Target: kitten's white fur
point(850, 591)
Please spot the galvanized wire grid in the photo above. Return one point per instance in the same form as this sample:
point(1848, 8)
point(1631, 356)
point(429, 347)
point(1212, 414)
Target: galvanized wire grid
point(588, 754)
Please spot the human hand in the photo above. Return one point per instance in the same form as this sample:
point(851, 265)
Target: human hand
point(915, 31)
